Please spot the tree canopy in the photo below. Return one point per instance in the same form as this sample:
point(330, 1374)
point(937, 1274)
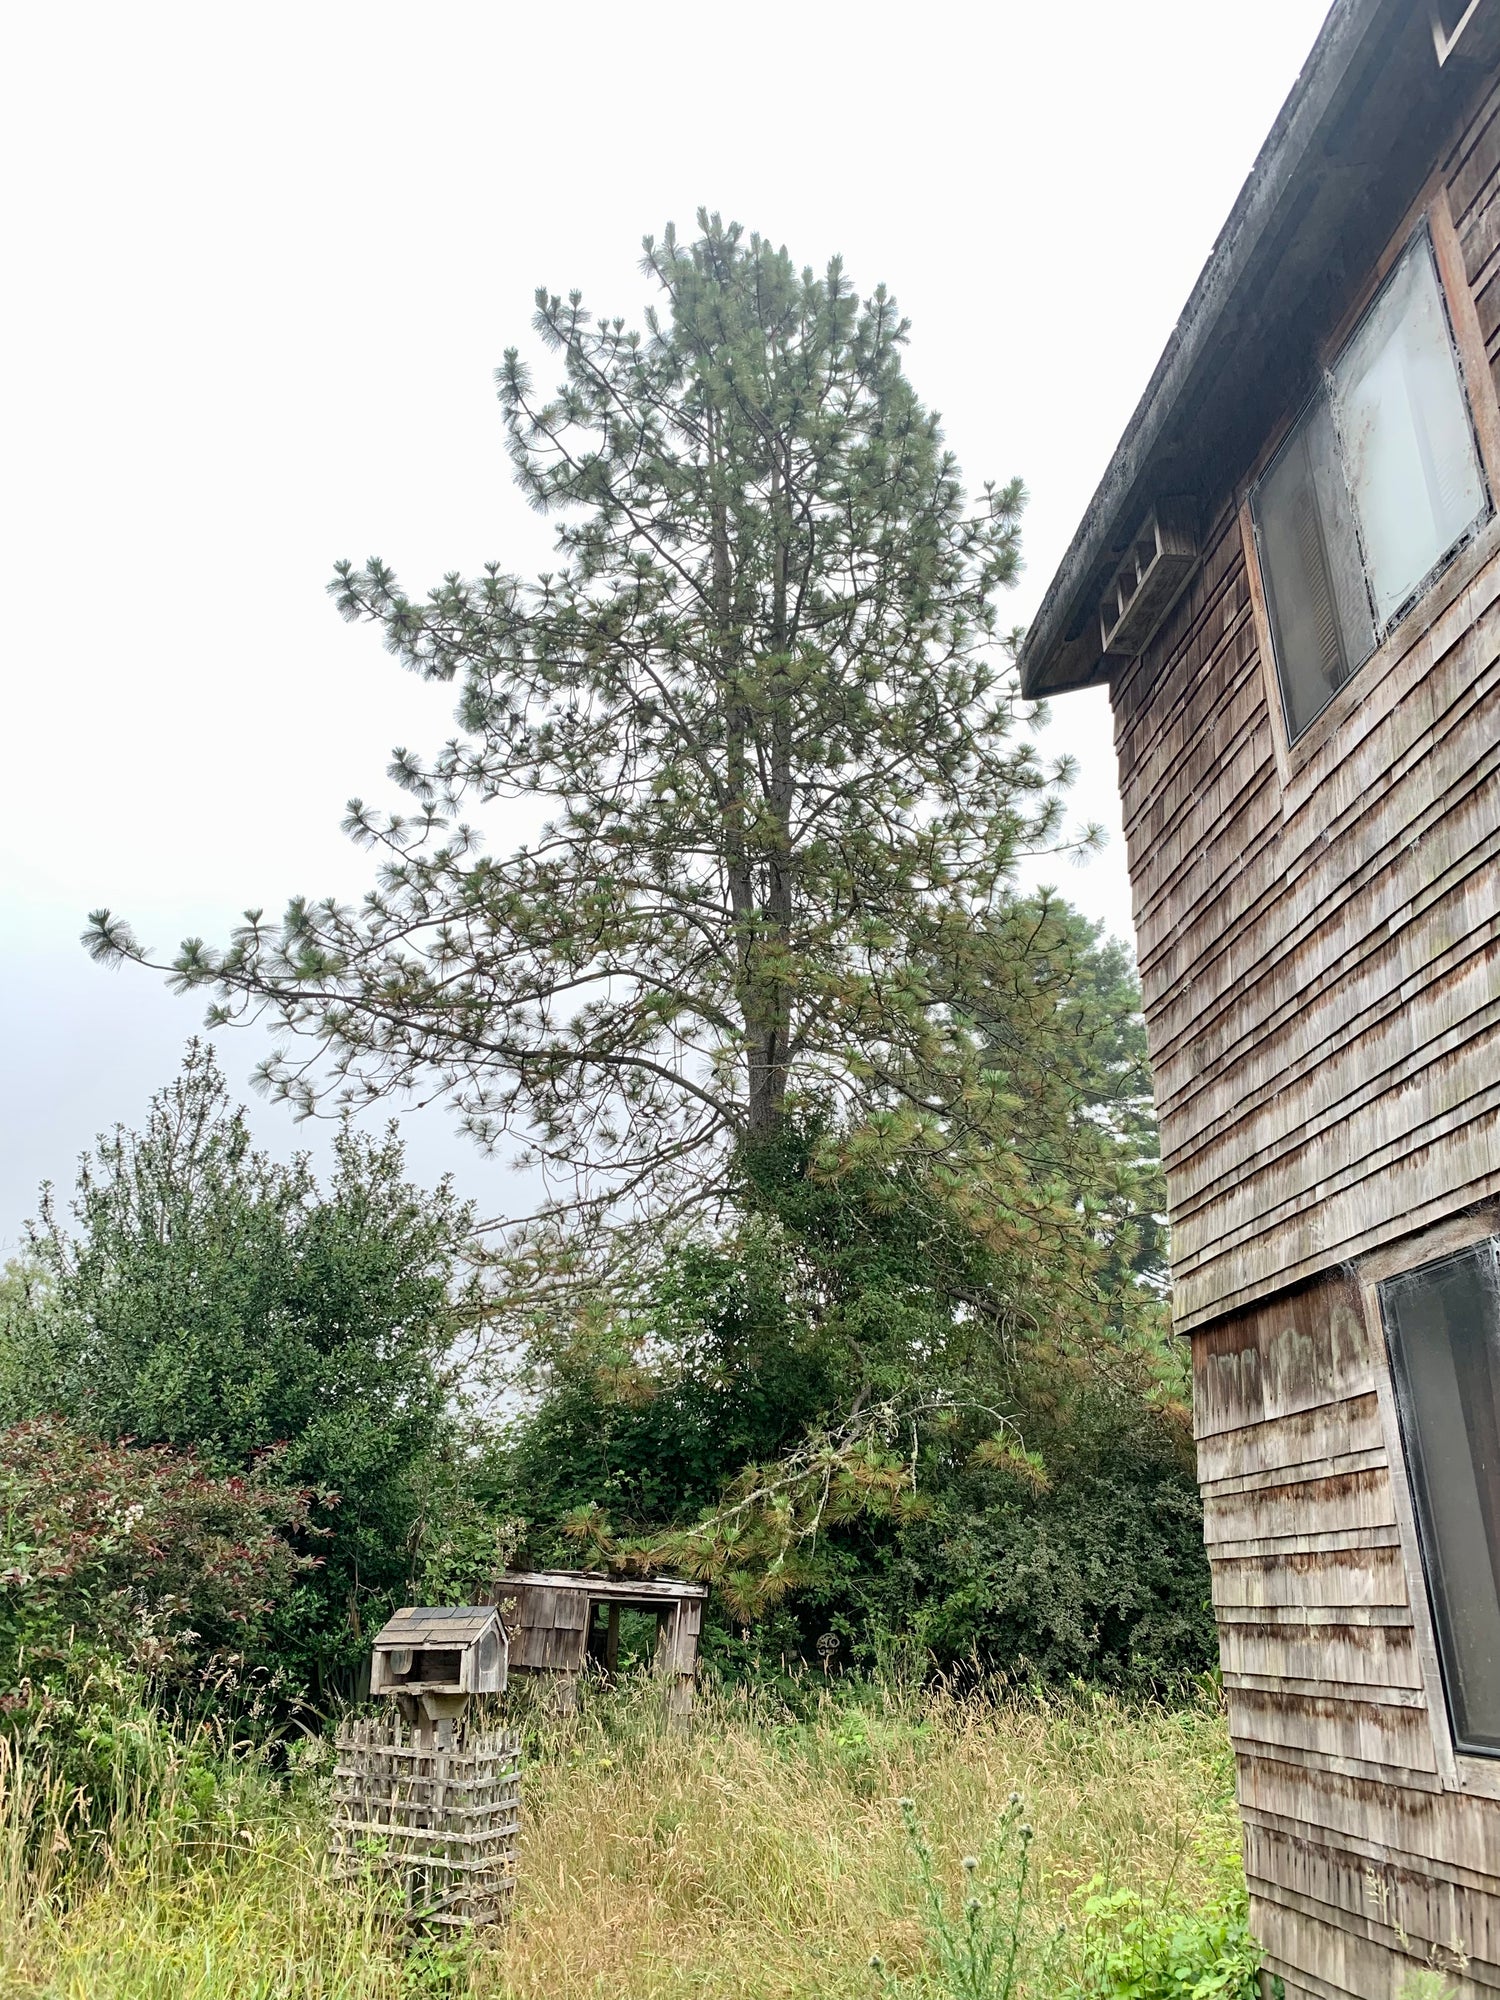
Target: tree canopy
point(765, 699)
point(849, 1274)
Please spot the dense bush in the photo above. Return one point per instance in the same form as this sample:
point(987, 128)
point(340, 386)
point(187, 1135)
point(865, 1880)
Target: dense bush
point(1097, 1571)
point(209, 1299)
point(135, 1586)
point(1040, 1515)
point(137, 1553)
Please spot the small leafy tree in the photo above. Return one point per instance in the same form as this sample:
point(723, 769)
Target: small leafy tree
point(207, 1298)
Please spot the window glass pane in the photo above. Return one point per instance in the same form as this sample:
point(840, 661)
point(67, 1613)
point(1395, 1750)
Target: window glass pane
point(1444, 1326)
point(1320, 610)
point(1408, 445)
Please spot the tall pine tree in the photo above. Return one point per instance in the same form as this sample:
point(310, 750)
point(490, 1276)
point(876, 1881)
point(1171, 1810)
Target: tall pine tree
point(765, 699)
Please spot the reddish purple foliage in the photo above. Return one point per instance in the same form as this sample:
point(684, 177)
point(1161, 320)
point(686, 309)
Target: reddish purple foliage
point(138, 1551)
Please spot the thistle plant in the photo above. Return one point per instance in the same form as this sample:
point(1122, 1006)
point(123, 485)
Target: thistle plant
point(973, 1952)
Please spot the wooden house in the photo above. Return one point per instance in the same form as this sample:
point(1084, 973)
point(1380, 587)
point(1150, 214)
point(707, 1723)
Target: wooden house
point(1289, 579)
point(561, 1621)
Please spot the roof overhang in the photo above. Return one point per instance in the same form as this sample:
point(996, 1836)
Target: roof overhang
point(1350, 150)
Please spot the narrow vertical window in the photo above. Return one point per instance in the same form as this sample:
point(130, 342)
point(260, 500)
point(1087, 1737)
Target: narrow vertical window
point(1315, 587)
point(1443, 1325)
point(1377, 485)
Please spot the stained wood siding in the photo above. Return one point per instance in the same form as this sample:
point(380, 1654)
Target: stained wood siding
point(1361, 1863)
point(1320, 958)
point(1319, 943)
point(1474, 196)
point(551, 1630)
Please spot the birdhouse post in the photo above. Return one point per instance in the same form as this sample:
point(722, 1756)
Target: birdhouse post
point(429, 1794)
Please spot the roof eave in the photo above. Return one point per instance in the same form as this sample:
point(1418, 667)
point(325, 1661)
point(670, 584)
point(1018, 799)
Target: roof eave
point(1298, 193)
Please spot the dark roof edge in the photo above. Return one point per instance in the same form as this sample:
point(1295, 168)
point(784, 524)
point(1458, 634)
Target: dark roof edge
point(1297, 132)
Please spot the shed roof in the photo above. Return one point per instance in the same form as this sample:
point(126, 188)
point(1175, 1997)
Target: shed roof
point(437, 1625)
point(604, 1588)
point(1348, 152)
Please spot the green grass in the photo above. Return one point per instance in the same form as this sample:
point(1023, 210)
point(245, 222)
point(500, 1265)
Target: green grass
point(763, 1857)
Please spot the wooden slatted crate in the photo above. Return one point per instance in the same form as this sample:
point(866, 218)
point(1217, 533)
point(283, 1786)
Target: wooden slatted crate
point(443, 1823)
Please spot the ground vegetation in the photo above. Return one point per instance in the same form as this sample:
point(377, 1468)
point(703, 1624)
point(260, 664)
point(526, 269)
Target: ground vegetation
point(769, 1856)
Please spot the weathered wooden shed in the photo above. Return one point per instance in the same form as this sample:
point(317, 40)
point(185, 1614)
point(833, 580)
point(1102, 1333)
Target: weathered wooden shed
point(561, 1620)
point(1289, 579)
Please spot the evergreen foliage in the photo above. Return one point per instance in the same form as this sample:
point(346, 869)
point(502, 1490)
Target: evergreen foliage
point(847, 1293)
point(765, 696)
point(869, 1420)
point(985, 1515)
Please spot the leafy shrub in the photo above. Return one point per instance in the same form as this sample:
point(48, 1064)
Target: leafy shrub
point(1138, 1948)
point(118, 1558)
point(208, 1298)
point(1100, 1574)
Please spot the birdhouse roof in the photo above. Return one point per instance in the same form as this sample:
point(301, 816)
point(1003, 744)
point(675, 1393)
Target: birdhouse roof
point(437, 1625)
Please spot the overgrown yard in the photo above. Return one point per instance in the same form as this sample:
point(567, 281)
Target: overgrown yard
point(766, 1856)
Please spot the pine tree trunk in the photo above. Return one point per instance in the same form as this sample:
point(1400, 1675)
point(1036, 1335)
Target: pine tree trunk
point(760, 1111)
point(767, 1113)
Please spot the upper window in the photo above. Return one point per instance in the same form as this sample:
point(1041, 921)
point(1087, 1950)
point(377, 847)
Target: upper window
point(1443, 1324)
point(1375, 488)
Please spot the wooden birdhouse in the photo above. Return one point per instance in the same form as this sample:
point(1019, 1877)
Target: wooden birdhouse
point(430, 1797)
point(1289, 583)
point(433, 1659)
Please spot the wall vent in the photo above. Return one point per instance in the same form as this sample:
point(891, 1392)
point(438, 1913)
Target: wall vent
point(1449, 19)
point(1146, 584)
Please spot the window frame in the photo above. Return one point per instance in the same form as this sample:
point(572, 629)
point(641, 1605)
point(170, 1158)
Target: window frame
point(1415, 1461)
point(1459, 1769)
point(1417, 244)
point(1304, 761)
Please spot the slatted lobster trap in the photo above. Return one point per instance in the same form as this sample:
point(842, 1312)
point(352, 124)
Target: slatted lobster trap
point(441, 1823)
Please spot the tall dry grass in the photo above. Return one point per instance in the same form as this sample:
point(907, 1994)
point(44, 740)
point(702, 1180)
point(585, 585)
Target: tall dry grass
point(762, 1857)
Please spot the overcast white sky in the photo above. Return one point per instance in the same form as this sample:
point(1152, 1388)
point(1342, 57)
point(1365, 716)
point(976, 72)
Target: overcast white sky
point(259, 265)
